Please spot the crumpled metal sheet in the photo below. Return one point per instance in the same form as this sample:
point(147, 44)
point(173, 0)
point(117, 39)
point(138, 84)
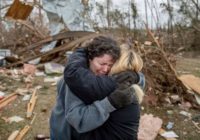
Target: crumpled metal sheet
point(67, 12)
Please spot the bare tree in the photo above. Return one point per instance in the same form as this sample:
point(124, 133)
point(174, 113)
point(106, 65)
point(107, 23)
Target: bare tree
point(134, 13)
point(109, 3)
point(101, 14)
point(169, 9)
point(153, 19)
point(155, 6)
point(146, 13)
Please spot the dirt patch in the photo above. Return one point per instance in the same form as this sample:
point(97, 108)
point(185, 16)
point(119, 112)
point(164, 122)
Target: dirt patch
point(188, 66)
point(183, 126)
point(44, 104)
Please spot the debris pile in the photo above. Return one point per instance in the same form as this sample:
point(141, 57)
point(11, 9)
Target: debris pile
point(22, 46)
point(162, 79)
point(163, 83)
point(19, 90)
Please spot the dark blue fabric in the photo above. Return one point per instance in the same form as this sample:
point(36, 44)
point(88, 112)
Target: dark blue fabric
point(121, 125)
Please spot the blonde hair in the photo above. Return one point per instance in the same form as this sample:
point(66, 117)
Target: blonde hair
point(129, 60)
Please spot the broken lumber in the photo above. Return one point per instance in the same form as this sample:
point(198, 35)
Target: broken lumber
point(23, 132)
point(191, 81)
point(7, 100)
point(64, 47)
point(58, 36)
point(13, 135)
point(32, 28)
point(31, 104)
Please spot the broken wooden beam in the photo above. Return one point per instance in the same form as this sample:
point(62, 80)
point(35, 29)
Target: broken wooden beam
point(31, 104)
point(32, 28)
point(58, 36)
point(192, 81)
point(13, 135)
point(7, 100)
point(64, 47)
point(23, 132)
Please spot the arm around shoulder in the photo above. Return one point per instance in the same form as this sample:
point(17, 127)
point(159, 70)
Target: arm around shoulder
point(78, 114)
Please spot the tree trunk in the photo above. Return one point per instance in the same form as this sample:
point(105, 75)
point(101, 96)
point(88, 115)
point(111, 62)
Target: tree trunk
point(108, 12)
point(146, 15)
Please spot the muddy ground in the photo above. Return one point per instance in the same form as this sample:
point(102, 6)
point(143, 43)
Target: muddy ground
point(183, 126)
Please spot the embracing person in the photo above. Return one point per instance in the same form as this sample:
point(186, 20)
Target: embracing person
point(96, 100)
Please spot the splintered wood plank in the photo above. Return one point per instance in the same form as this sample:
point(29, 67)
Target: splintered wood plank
point(64, 47)
point(4, 102)
point(31, 104)
point(191, 81)
point(23, 132)
point(56, 37)
point(13, 135)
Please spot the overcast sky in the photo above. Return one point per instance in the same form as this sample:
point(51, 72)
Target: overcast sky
point(123, 6)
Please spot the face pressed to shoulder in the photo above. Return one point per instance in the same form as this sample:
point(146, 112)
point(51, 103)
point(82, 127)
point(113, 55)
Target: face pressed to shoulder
point(101, 65)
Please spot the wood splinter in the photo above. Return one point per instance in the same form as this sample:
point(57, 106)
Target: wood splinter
point(23, 132)
point(4, 102)
point(31, 104)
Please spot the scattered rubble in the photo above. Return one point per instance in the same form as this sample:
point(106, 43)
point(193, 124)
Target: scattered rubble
point(14, 119)
point(169, 135)
point(164, 85)
point(149, 127)
point(170, 125)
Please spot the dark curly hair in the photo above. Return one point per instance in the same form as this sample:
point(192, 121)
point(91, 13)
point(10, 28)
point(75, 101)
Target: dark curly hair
point(103, 45)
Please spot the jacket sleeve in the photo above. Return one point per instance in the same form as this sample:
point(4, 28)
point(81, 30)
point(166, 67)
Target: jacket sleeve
point(83, 83)
point(78, 114)
point(141, 82)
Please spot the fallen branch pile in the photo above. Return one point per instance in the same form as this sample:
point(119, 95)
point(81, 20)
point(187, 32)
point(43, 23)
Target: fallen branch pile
point(162, 78)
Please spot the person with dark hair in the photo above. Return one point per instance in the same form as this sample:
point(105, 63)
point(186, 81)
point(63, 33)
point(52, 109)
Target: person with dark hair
point(86, 75)
point(90, 67)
